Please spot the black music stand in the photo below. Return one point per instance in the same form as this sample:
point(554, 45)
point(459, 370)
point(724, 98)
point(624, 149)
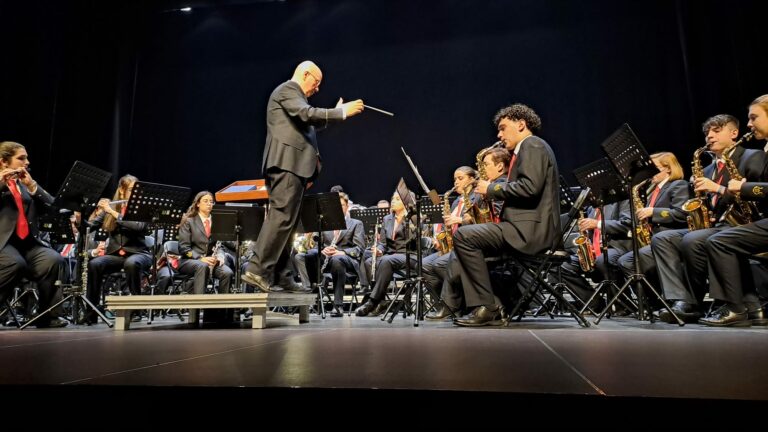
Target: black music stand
point(417, 282)
point(632, 162)
point(59, 228)
point(321, 212)
point(370, 217)
point(605, 187)
point(160, 206)
point(237, 223)
point(80, 191)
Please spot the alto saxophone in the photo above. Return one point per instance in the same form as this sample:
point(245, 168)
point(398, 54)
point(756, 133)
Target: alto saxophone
point(584, 250)
point(468, 206)
point(445, 238)
point(697, 207)
point(482, 211)
point(741, 212)
point(643, 227)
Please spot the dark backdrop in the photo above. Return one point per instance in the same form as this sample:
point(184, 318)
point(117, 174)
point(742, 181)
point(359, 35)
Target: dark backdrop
point(172, 97)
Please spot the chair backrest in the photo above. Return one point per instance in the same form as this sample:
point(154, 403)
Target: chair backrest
point(172, 247)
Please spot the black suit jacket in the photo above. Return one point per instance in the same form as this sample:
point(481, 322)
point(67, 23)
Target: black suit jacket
point(351, 240)
point(531, 213)
point(129, 236)
point(291, 143)
point(193, 243)
point(616, 224)
point(9, 213)
point(668, 209)
point(386, 244)
point(750, 164)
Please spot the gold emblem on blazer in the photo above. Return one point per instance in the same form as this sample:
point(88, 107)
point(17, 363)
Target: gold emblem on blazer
point(758, 191)
point(664, 213)
point(497, 187)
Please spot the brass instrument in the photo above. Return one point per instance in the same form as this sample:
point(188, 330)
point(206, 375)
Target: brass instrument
point(468, 206)
point(482, 211)
point(303, 242)
point(445, 238)
point(584, 250)
point(740, 212)
point(697, 207)
point(644, 232)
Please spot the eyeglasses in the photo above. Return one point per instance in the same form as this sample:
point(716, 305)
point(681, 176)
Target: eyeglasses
point(313, 76)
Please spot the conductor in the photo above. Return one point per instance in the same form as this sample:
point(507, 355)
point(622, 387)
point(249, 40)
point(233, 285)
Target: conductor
point(291, 162)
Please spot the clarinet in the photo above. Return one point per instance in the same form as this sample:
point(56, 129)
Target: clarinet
point(373, 252)
point(328, 258)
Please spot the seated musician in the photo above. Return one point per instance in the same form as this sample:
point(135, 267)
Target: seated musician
point(341, 252)
point(530, 217)
point(663, 210)
point(389, 255)
point(22, 253)
point(680, 248)
point(198, 259)
point(126, 247)
point(729, 249)
point(438, 271)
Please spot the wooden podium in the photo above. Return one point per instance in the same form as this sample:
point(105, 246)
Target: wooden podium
point(243, 190)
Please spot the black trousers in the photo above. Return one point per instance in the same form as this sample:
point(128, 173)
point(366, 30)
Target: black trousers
point(200, 273)
point(471, 244)
point(338, 267)
point(442, 274)
point(727, 251)
point(271, 254)
point(386, 266)
point(134, 266)
point(38, 263)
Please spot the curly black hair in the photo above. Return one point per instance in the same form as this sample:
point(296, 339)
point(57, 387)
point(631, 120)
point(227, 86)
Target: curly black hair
point(519, 112)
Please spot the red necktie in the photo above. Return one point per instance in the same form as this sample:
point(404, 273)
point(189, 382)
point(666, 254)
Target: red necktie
point(715, 196)
point(22, 227)
point(394, 230)
point(654, 196)
point(458, 213)
point(207, 224)
point(596, 235)
point(511, 164)
point(67, 249)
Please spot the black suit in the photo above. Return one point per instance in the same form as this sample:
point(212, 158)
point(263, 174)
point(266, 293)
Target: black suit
point(195, 244)
point(679, 252)
point(530, 219)
point(291, 157)
point(350, 240)
point(30, 257)
point(667, 214)
point(126, 248)
point(392, 244)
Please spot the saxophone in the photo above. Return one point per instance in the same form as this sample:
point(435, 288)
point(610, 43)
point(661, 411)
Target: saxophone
point(741, 212)
point(643, 227)
point(482, 211)
point(698, 212)
point(584, 250)
point(444, 238)
point(468, 206)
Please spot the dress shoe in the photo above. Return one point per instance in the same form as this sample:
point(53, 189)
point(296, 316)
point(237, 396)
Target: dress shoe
point(725, 317)
point(52, 323)
point(366, 308)
point(380, 308)
point(338, 312)
point(257, 281)
point(288, 284)
point(442, 313)
point(757, 317)
point(687, 312)
point(482, 316)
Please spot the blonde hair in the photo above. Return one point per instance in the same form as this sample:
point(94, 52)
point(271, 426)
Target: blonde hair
point(668, 160)
point(110, 223)
point(8, 149)
point(761, 101)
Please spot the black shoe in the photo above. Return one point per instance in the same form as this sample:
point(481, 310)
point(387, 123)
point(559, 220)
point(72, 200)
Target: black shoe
point(725, 317)
point(52, 323)
point(366, 308)
point(482, 316)
point(757, 317)
point(257, 281)
point(687, 312)
point(338, 312)
point(440, 314)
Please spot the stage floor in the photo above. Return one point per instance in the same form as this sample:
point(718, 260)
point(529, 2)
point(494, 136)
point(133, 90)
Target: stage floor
point(620, 357)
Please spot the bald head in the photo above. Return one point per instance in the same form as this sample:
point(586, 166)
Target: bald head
point(308, 75)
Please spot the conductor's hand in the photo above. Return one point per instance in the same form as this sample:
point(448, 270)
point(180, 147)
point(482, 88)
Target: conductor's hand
point(350, 108)
point(735, 185)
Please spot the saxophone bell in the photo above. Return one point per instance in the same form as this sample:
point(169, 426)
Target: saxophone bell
point(584, 250)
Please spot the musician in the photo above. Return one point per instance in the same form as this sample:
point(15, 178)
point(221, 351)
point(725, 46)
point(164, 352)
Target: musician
point(195, 247)
point(530, 218)
point(291, 162)
point(616, 225)
point(126, 247)
point(390, 256)
point(679, 252)
point(342, 250)
point(22, 253)
point(728, 249)
point(663, 209)
point(439, 269)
